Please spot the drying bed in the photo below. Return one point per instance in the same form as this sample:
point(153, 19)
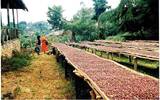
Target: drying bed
point(110, 79)
point(152, 55)
point(137, 44)
point(131, 51)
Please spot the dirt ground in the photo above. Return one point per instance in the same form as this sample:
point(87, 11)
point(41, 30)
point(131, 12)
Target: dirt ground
point(43, 79)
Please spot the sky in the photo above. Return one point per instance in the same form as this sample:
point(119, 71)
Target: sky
point(38, 9)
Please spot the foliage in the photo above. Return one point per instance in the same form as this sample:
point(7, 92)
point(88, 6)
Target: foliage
point(132, 19)
point(29, 32)
point(55, 17)
point(59, 39)
point(99, 7)
point(107, 25)
point(38, 27)
point(27, 41)
point(18, 60)
point(135, 17)
point(118, 37)
point(82, 27)
point(22, 25)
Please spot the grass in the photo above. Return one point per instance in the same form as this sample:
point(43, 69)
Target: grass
point(43, 79)
point(148, 63)
point(17, 61)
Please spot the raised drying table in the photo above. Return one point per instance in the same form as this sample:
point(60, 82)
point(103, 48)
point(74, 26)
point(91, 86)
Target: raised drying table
point(132, 53)
point(108, 78)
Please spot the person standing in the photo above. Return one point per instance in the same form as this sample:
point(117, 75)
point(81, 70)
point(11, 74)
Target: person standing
point(38, 45)
point(44, 45)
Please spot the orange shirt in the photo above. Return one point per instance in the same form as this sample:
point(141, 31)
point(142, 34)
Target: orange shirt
point(44, 46)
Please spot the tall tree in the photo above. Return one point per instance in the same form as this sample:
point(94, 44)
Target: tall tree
point(21, 26)
point(133, 16)
point(55, 17)
point(40, 27)
point(99, 6)
point(82, 27)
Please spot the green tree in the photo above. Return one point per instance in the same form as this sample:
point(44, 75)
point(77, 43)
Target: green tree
point(40, 27)
point(82, 27)
point(55, 17)
point(22, 25)
point(99, 6)
point(135, 17)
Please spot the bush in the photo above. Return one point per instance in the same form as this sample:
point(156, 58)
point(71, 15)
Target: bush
point(118, 37)
point(64, 38)
point(130, 36)
point(137, 18)
point(24, 54)
point(18, 60)
point(61, 38)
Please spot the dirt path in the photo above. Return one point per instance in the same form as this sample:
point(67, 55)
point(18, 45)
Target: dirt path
point(43, 79)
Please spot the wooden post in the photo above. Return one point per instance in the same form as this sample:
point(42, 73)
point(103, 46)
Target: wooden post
point(1, 20)
point(86, 48)
point(112, 55)
point(94, 51)
point(89, 50)
point(93, 95)
point(119, 54)
point(101, 52)
point(129, 57)
point(8, 15)
point(135, 63)
point(17, 17)
point(107, 55)
point(13, 18)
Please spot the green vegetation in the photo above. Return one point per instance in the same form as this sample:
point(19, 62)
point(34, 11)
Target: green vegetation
point(131, 20)
point(99, 7)
point(43, 75)
point(61, 38)
point(82, 27)
point(38, 28)
point(119, 37)
point(17, 61)
point(55, 17)
point(30, 31)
